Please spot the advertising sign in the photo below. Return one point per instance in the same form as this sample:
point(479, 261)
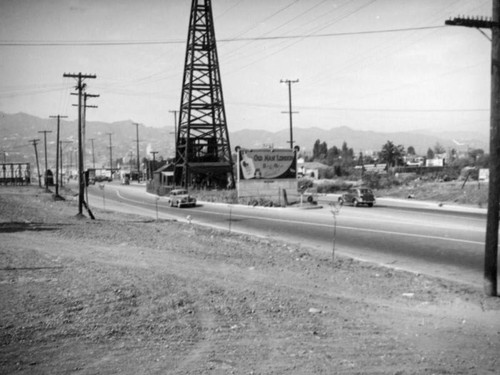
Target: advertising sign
point(267, 164)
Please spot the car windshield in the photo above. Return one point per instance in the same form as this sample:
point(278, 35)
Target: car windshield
point(365, 191)
point(179, 192)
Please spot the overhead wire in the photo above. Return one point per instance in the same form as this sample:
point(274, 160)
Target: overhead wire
point(160, 76)
point(4, 43)
point(288, 45)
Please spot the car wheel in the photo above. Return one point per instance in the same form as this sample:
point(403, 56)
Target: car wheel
point(370, 204)
point(355, 203)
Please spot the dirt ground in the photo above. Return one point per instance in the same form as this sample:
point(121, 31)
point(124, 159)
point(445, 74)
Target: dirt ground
point(126, 294)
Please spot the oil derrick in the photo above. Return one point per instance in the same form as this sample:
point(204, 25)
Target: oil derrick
point(203, 152)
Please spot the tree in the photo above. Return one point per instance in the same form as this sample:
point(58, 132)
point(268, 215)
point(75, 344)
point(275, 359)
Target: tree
point(411, 150)
point(320, 150)
point(391, 154)
point(430, 153)
point(439, 149)
point(332, 155)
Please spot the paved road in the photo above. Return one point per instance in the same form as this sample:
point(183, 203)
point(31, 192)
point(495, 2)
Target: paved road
point(423, 238)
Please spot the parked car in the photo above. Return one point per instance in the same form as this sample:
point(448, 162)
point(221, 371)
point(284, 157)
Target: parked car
point(181, 198)
point(358, 196)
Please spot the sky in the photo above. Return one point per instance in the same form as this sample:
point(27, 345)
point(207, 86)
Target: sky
point(376, 65)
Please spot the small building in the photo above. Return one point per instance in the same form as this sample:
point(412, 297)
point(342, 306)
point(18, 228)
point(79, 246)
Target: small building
point(313, 170)
point(163, 180)
point(164, 176)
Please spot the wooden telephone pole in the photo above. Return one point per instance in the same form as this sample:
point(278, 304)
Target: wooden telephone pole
point(110, 155)
point(35, 142)
point(491, 244)
point(46, 164)
point(138, 158)
point(290, 112)
point(58, 117)
point(80, 87)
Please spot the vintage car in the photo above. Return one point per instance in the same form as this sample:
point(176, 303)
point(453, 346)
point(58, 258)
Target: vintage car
point(358, 196)
point(181, 198)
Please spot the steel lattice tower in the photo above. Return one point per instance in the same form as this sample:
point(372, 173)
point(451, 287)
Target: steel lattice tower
point(203, 152)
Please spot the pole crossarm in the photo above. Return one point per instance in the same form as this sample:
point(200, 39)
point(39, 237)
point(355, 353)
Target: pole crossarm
point(477, 22)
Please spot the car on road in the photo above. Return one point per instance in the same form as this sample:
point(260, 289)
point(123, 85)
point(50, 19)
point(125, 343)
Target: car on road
point(181, 198)
point(358, 196)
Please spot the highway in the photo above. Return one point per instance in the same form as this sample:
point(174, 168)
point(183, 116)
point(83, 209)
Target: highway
point(427, 239)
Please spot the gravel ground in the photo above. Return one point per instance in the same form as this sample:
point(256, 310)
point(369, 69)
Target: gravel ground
point(125, 294)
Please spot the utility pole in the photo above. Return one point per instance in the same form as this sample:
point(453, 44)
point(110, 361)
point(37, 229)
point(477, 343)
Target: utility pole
point(62, 165)
point(154, 163)
point(93, 155)
point(84, 120)
point(175, 130)
point(58, 117)
point(290, 112)
point(110, 154)
point(80, 87)
point(138, 159)
point(46, 165)
point(491, 243)
point(35, 142)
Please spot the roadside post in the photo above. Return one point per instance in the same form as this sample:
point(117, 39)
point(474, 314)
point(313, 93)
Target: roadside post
point(101, 186)
point(335, 210)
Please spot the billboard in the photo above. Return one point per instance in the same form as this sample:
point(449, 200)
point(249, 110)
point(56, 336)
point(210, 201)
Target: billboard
point(266, 173)
point(267, 164)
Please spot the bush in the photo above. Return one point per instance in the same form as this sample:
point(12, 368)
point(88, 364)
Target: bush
point(332, 186)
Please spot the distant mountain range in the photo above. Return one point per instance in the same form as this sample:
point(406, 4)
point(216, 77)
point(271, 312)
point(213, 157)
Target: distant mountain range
point(17, 130)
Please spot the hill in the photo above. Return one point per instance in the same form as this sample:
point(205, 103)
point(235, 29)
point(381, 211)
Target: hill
point(18, 129)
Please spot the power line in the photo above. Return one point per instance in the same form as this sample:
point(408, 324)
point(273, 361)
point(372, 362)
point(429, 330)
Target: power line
point(227, 40)
point(361, 109)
